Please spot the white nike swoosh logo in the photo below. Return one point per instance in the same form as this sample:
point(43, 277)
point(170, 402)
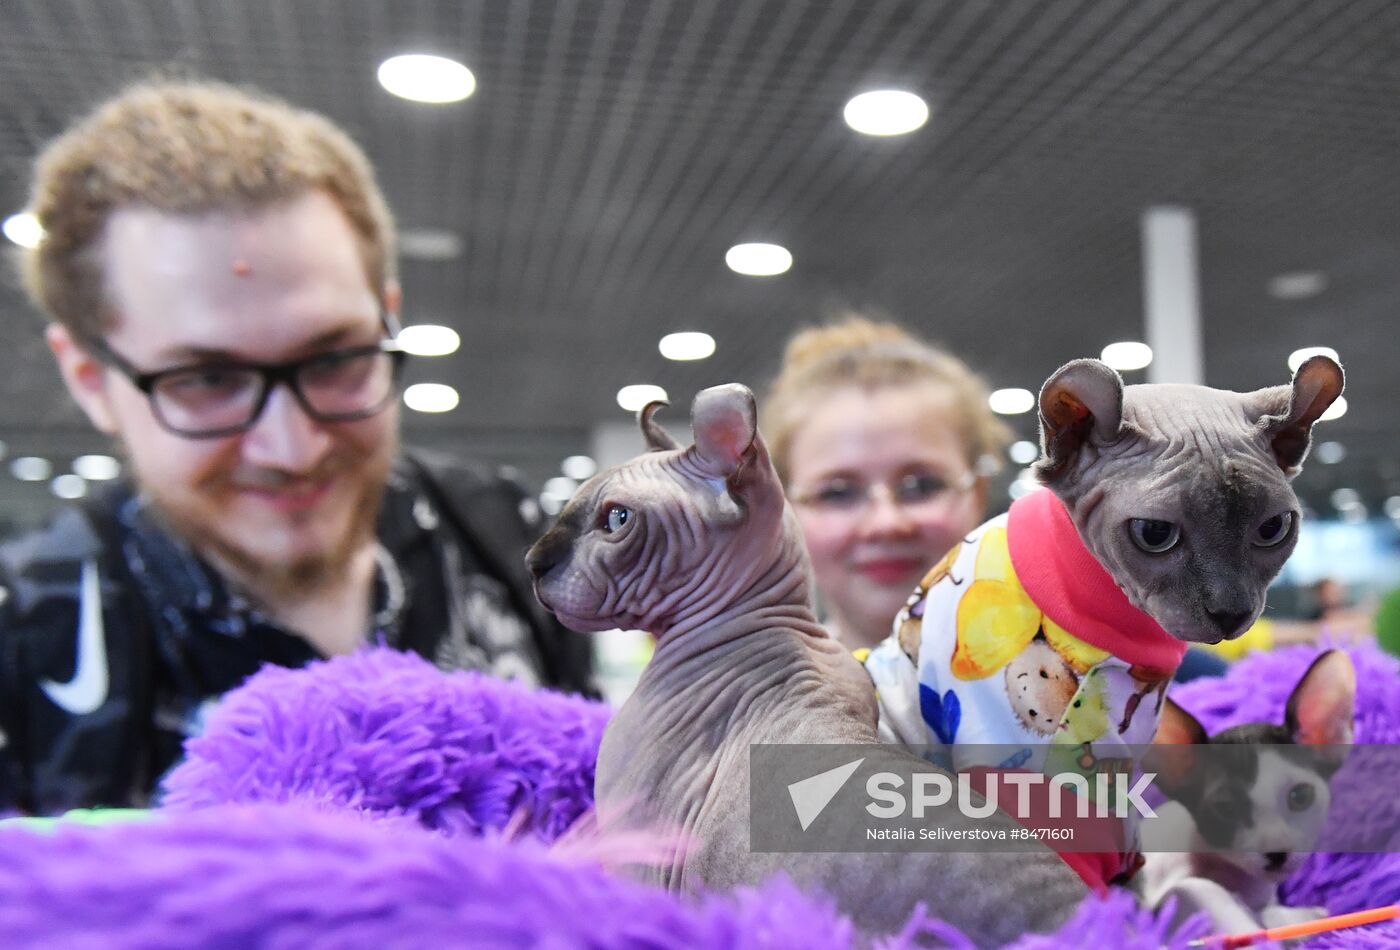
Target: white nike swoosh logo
point(87, 690)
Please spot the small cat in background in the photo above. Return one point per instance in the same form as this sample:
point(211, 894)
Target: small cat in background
point(1244, 828)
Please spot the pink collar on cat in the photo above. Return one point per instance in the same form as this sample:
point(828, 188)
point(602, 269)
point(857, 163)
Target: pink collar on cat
point(1072, 588)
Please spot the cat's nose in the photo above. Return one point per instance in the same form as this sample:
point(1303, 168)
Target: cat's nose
point(1229, 622)
point(1275, 859)
point(545, 553)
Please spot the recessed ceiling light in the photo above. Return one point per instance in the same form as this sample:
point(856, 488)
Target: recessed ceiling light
point(429, 339)
point(1330, 453)
point(550, 505)
point(31, 468)
point(1345, 498)
point(431, 397)
point(96, 468)
point(561, 487)
point(758, 260)
point(424, 78)
point(1354, 514)
point(68, 486)
point(23, 229)
point(1011, 402)
point(634, 398)
point(1299, 357)
point(1298, 285)
point(1127, 355)
point(1392, 507)
point(579, 467)
point(687, 346)
point(1334, 411)
point(1023, 452)
point(886, 112)
point(429, 244)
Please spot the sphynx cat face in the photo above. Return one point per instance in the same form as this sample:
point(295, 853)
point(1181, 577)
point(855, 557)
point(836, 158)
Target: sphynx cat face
point(672, 536)
point(1182, 492)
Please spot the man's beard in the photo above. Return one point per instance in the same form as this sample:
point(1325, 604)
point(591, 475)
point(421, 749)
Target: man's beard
point(267, 579)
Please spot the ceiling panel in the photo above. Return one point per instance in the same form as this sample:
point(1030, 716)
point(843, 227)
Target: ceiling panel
point(614, 150)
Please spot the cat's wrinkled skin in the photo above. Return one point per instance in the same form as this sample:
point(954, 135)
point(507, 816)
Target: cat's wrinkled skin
point(698, 546)
point(1214, 465)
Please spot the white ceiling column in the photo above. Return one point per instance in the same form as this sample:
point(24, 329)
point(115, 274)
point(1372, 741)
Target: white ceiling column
point(1172, 295)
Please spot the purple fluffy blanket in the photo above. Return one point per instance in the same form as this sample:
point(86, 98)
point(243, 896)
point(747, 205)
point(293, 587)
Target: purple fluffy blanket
point(372, 801)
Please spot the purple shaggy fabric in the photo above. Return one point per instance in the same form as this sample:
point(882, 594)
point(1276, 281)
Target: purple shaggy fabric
point(1255, 690)
point(386, 737)
point(1115, 921)
point(278, 876)
point(387, 734)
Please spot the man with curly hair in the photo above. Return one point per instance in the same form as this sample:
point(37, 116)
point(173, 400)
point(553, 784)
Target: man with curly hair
point(218, 270)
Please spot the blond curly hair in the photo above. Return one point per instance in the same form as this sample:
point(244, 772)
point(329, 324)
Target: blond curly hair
point(186, 148)
point(861, 352)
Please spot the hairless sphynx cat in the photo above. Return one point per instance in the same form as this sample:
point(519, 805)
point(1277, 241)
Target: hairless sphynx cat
point(698, 546)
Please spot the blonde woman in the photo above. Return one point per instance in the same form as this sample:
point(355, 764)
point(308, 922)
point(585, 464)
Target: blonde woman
point(884, 444)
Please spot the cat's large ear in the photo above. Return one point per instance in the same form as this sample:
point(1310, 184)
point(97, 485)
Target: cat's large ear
point(725, 422)
point(1178, 727)
point(1286, 414)
point(657, 438)
point(1321, 709)
point(1081, 402)
point(1173, 753)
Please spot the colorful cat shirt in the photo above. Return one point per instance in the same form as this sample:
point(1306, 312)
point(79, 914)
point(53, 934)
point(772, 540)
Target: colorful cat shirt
point(1019, 651)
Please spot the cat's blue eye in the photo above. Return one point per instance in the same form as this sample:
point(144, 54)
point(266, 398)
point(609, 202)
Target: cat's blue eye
point(1274, 531)
point(1301, 797)
point(615, 517)
point(1154, 536)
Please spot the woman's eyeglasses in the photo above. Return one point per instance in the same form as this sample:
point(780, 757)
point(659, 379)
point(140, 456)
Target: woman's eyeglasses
point(912, 490)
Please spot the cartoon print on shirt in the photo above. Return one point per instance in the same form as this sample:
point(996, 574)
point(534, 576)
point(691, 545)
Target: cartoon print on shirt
point(983, 664)
point(911, 618)
point(1040, 684)
point(997, 621)
point(1000, 628)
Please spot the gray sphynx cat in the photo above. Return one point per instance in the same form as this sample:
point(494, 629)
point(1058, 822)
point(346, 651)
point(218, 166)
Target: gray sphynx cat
point(698, 546)
point(1168, 513)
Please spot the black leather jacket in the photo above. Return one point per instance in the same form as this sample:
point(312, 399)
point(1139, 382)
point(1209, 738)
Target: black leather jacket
point(115, 639)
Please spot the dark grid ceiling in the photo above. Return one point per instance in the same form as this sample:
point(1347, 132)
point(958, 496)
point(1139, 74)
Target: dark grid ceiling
point(614, 150)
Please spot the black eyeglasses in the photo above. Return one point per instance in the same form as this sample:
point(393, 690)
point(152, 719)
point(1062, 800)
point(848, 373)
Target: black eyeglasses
point(208, 400)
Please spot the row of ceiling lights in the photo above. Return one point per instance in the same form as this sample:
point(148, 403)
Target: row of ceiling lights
point(436, 79)
point(882, 113)
point(70, 484)
point(885, 112)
